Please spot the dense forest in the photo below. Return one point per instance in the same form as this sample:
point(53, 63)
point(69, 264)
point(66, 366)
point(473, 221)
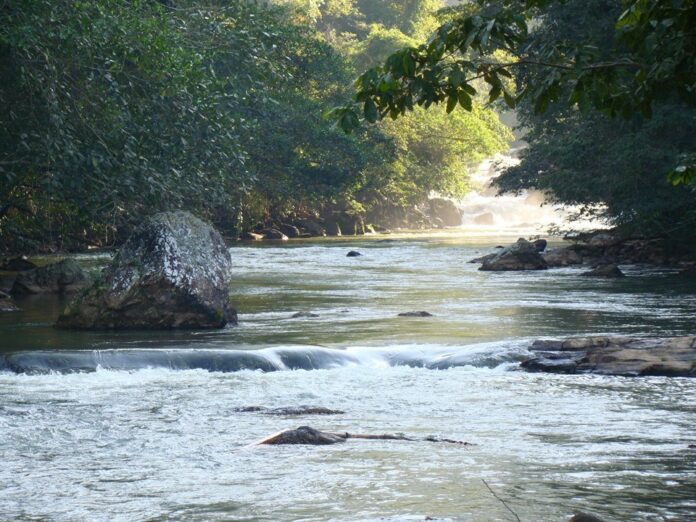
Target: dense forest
point(111, 110)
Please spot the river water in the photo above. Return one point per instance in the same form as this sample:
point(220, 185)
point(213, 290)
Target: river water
point(144, 426)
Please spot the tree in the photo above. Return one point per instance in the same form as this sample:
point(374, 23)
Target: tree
point(653, 57)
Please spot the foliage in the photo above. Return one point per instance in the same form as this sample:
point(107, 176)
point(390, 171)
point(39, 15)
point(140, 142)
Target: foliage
point(111, 110)
point(610, 167)
point(653, 57)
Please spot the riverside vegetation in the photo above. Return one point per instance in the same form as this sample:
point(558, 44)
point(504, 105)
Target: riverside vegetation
point(110, 111)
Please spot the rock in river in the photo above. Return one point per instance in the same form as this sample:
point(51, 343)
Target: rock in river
point(628, 356)
point(605, 270)
point(173, 272)
point(62, 277)
point(303, 435)
point(523, 255)
point(421, 313)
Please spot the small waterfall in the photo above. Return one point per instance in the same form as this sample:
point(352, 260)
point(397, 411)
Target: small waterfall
point(526, 213)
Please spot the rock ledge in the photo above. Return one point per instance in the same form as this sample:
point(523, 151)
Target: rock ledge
point(627, 356)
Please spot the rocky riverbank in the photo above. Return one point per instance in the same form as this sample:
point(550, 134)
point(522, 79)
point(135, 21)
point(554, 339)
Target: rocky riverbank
point(622, 356)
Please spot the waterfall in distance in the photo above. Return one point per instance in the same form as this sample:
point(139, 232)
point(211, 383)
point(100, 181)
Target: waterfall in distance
point(526, 213)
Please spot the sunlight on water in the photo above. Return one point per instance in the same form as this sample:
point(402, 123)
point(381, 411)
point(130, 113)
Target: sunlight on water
point(144, 425)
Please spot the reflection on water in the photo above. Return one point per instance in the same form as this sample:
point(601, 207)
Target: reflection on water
point(153, 442)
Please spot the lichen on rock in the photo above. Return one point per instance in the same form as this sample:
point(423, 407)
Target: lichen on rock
point(173, 272)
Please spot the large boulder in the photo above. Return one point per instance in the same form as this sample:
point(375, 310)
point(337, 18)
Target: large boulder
point(522, 255)
point(173, 272)
point(445, 210)
point(672, 356)
point(57, 278)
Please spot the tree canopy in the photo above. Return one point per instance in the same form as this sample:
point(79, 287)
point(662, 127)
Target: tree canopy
point(652, 57)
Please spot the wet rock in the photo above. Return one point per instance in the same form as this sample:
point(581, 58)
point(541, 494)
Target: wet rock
point(17, 264)
point(289, 230)
point(559, 257)
point(7, 304)
point(540, 245)
point(273, 233)
point(615, 355)
point(303, 435)
point(605, 270)
point(250, 236)
point(57, 278)
point(584, 517)
point(289, 410)
point(173, 272)
point(300, 315)
point(353, 253)
point(522, 255)
point(416, 314)
point(446, 211)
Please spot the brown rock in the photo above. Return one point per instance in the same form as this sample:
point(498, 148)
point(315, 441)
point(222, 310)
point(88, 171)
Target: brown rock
point(619, 355)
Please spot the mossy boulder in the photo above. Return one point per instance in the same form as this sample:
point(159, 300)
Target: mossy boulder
point(173, 272)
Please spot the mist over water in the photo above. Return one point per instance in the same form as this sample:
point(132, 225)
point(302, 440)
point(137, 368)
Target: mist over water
point(486, 212)
point(144, 425)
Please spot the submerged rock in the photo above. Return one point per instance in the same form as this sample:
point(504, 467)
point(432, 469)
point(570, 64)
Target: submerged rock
point(605, 270)
point(353, 253)
point(7, 304)
point(57, 278)
point(522, 255)
point(416, 314)
point(584, 517)
point(173, 272)
point(672, 356)
point(300, 315)
point(17, 264)
point(289, 410)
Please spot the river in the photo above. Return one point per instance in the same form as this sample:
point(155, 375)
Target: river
point(144, 426)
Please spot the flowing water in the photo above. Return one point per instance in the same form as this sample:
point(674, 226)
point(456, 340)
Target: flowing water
point(144, 426)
